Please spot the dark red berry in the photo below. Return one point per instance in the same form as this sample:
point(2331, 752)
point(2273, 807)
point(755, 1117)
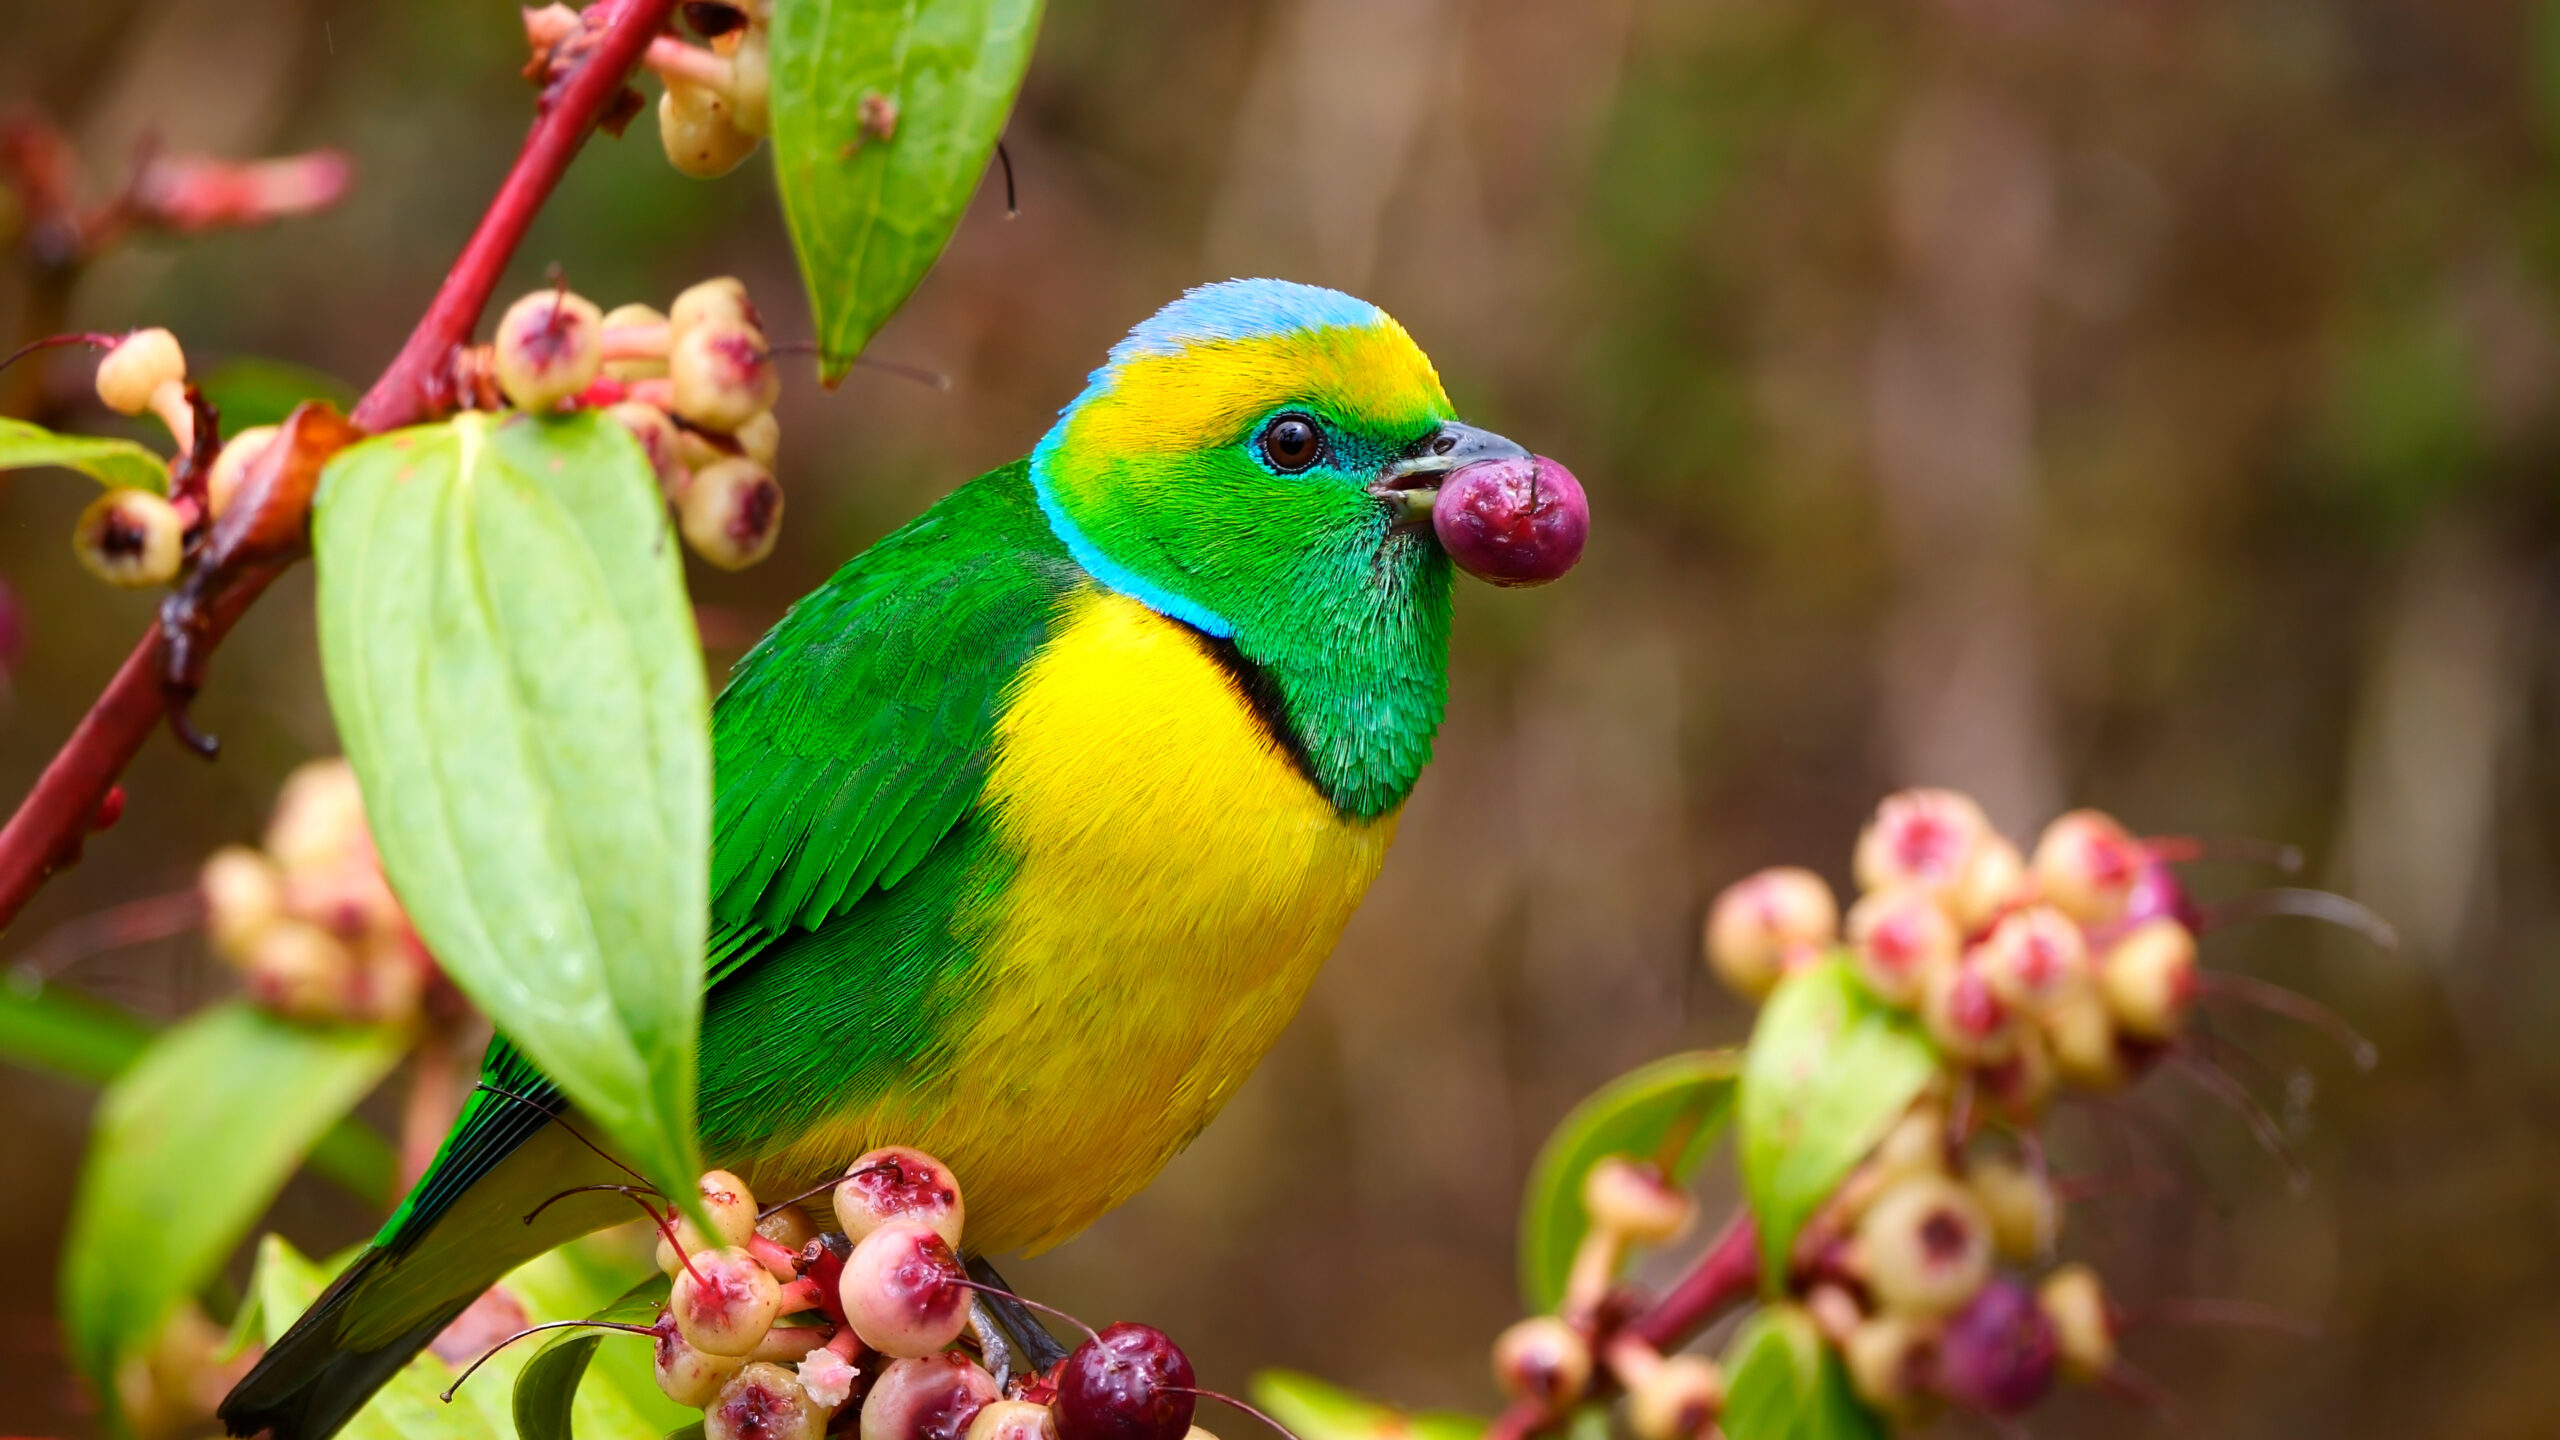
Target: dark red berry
point(1512, 522)
point(1997, 1354)
point(1131, 1382)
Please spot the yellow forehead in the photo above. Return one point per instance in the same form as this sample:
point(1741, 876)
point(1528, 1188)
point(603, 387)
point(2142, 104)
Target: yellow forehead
point(1208, 393)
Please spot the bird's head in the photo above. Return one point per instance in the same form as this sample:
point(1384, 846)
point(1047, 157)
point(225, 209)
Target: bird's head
point(1259, 456)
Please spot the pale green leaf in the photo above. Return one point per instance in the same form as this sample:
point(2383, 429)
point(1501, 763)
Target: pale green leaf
point(512, 661)
point(556, 1397)
point(1314, 1410)
point(1828, 1071)
point(120, 463)
point(870, 212)
point(1677, 1104)
point(406, 1408)
point(191, 1145)
point(1783, 1383)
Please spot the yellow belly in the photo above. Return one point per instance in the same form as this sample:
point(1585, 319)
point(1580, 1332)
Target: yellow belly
point(1177, 884)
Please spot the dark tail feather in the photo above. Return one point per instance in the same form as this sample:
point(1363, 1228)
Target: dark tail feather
point(308, 1384)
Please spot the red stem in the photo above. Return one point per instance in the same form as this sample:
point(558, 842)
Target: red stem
point(45, 833)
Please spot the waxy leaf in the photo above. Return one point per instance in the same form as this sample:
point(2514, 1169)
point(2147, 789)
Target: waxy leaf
point(513, 665)
point(120, 463)
point(554, 1400)
point(1314, 1410)
point(884, 115)
point(191, 1145)
point(1828, 1071)
point(1783, 1383)
point(1678, 1104)
point(407, 1408)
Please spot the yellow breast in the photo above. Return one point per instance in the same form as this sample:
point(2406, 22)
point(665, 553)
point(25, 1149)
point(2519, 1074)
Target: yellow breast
point(1177, 883)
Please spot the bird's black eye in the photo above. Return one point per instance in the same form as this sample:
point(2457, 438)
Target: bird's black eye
point(1292, 443)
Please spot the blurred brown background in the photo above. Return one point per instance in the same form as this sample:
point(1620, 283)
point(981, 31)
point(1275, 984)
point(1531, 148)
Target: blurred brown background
point(2147, 404)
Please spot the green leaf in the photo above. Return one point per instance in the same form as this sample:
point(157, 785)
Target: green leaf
point(1783, 1383)
point(513, 665)
point(46, 1027)
point(109, 462)
point(192, 1143)
point(1677, 1104)
point(250, 390)
point(50, 1028)
point(548, 1393)
point(1828, 1071)
point(407, 1408)
point(870, 212)
point(1314, 1410)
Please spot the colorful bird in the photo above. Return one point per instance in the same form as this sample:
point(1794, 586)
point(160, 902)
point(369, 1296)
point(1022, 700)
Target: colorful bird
point(1034, 823)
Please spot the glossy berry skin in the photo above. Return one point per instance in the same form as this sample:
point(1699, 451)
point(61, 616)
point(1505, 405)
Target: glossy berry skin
point(723, 376)
point(550, 344)
point(231, 466)
point(130, 538)
point(724, 1301)
point(903, 1292)
point(1013, 1420)
point(139, 365)
point(1763, 921)
point(1997, 1354)
point(1130, 1382)
point(731, 513)
point(2086, 865)
point(1922, 837)
point(931, 1397)
point(898, 1182)
point(733, 1211)
point(764, 1401)
point(1513, 521)
point(686, 1375)
point(1899, 936)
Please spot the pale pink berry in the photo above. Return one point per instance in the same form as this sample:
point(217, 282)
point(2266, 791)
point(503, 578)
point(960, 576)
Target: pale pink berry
point(731, 513)
point(1763, 922)
point(130, 538)
point(549, 347)
point(2032, 956)
point(927, 1397)
point(898, 1182)
point(733, 1213)
point(724, 1301)
point(723, 376)
point(1994, 881)
point(1635, 1200)
point(1542, 1359)
point(1965, 1015)
point(1924, 1246)
point(721, 300)
point(2086, 865)
point(763, 1401)
point(904, 1291)
point(133, 372)
point(688, 1376)
point(1921, 837)
point(1898, 937)
point(2150, 978)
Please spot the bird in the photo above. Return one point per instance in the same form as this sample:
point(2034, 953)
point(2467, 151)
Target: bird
point(1031, 825)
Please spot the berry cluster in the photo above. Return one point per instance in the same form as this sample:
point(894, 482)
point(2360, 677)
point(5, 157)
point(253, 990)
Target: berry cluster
point(2074, 965)
point(129, 536)
point(716, 107)
point(1550, 1359)
point(308, 920)
point(695, 385)
point(779, 1332)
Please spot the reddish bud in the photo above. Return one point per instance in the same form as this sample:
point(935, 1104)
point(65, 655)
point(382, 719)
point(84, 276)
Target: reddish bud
point(904, 1291)
point(1514, 522)
point(195, 192)
point(1761, 922)
point(1888, 1359)
point(243, 893)
point(635, 341)
point(659, 440)
point(721, 300)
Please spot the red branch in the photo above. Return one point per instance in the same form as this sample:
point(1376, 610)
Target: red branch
point(46, 831)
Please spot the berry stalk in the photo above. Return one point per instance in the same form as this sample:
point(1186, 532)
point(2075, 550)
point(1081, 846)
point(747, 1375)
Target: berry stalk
point(45, 833)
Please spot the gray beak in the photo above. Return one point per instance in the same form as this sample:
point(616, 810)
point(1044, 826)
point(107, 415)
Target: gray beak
point(1409, 485)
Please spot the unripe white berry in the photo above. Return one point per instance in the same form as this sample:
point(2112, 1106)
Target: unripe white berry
point(130, 538)
point(733, 1212)
point(1995, 879)
point(1921, 837)
point(232, 466)
point(243, 894)
point(318, 823)
point(549, 347)
point(1887, 1357)
point(1677, 1400)
point(2150, 978)
point(2020, 1204)
point(1542, 1359)
point(698, 128)
point(763, 1401)
point(1761, 922)
point(731, 513)
point(137, 367)
point(723, 376)
point(2032, 956)
point(720, 300)
point(724, 1301)
point(2083, 1330)
point(659, 441)
point(2080, 1032)
point(1013, 1420)
point(299, 970)
point(1636, 1201)
point(1924, 1247)
point(760, 439)
point(1898, 937)
point(686, 1375)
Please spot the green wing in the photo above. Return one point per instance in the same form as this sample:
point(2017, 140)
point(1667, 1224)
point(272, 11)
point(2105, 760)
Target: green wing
point(845, 747)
